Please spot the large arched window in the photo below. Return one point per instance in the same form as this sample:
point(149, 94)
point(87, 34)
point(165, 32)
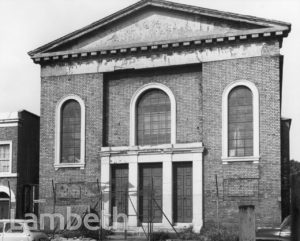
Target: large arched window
point(70, 132)
point(240, 122)
point(153, 118)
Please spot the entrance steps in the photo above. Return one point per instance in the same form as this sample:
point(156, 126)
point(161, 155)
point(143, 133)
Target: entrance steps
point(136, 233)
point(132, 235)
point(118, 237)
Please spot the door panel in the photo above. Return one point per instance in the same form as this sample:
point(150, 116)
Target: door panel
point(4, 209)
point(119, 195)
point(182, 192)
point(150, 174)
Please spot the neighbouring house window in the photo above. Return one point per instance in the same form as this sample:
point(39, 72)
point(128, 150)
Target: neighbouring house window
point(70, 132)
point(153, 118)
point(240, 122)
point(5, 156)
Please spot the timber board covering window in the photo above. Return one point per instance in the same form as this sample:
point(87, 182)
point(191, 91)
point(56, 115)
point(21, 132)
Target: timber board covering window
point(240, 122)
point(153, 118)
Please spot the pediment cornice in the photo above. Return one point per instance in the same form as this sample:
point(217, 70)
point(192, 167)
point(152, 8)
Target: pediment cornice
point(249, 27)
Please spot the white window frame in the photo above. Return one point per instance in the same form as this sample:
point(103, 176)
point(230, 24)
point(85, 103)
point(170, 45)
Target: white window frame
point(9, 173)
point(57, 163)
point(133, 103)
point(255, 103)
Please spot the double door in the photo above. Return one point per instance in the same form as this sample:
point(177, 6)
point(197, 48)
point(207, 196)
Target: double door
point(150, 191)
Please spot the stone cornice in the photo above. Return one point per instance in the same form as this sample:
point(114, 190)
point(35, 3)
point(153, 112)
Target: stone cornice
point(261, 23)
point(44, 58)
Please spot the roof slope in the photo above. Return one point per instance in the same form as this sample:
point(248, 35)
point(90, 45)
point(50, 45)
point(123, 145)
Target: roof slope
point(201, 23)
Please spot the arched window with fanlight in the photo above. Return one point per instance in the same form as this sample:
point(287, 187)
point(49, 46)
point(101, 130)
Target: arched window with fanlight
point(240, 122)
point(70, 132)
point(153, 118)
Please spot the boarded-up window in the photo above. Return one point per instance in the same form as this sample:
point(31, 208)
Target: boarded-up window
point(70, 132)
point(4, 158)
point(240, 122)
point(153, 118)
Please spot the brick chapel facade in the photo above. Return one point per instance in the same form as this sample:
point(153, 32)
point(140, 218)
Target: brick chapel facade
point(162, 98)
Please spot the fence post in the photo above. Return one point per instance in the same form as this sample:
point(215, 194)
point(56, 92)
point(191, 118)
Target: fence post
point(100, 210)
point(247, 223)
point(217, 189)
point(54, 205)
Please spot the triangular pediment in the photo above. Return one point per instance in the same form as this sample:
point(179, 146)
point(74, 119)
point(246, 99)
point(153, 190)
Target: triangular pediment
point(156, 21)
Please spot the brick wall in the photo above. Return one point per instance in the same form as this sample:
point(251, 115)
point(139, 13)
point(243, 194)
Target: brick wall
point(264, 72)
point(184, 82)
point(117, 90)
point(198, 93)
point(285, 167)
point(89, 88)
point(28, 155)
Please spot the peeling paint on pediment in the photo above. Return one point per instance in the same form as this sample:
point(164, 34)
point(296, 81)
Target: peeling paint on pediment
point(161, 59)
point(155, 25)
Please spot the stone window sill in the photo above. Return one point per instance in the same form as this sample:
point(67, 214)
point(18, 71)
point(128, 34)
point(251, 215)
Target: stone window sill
point(69, 165)
point(254, 159)
point(8, 174)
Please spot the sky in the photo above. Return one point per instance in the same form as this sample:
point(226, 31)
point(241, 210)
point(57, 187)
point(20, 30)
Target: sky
point(28, 24)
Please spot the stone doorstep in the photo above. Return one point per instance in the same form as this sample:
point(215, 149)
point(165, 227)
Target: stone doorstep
point(181, 240)
point(129, 234)
point(116, 237)
point(121, 238)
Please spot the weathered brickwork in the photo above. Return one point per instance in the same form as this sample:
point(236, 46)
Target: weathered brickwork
point(118, 91)
point(285, 167)
point(184, 82)
point(28, 157)
point(264, 72)
point(89, 88)
point(198, 92)
point(194, 54)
